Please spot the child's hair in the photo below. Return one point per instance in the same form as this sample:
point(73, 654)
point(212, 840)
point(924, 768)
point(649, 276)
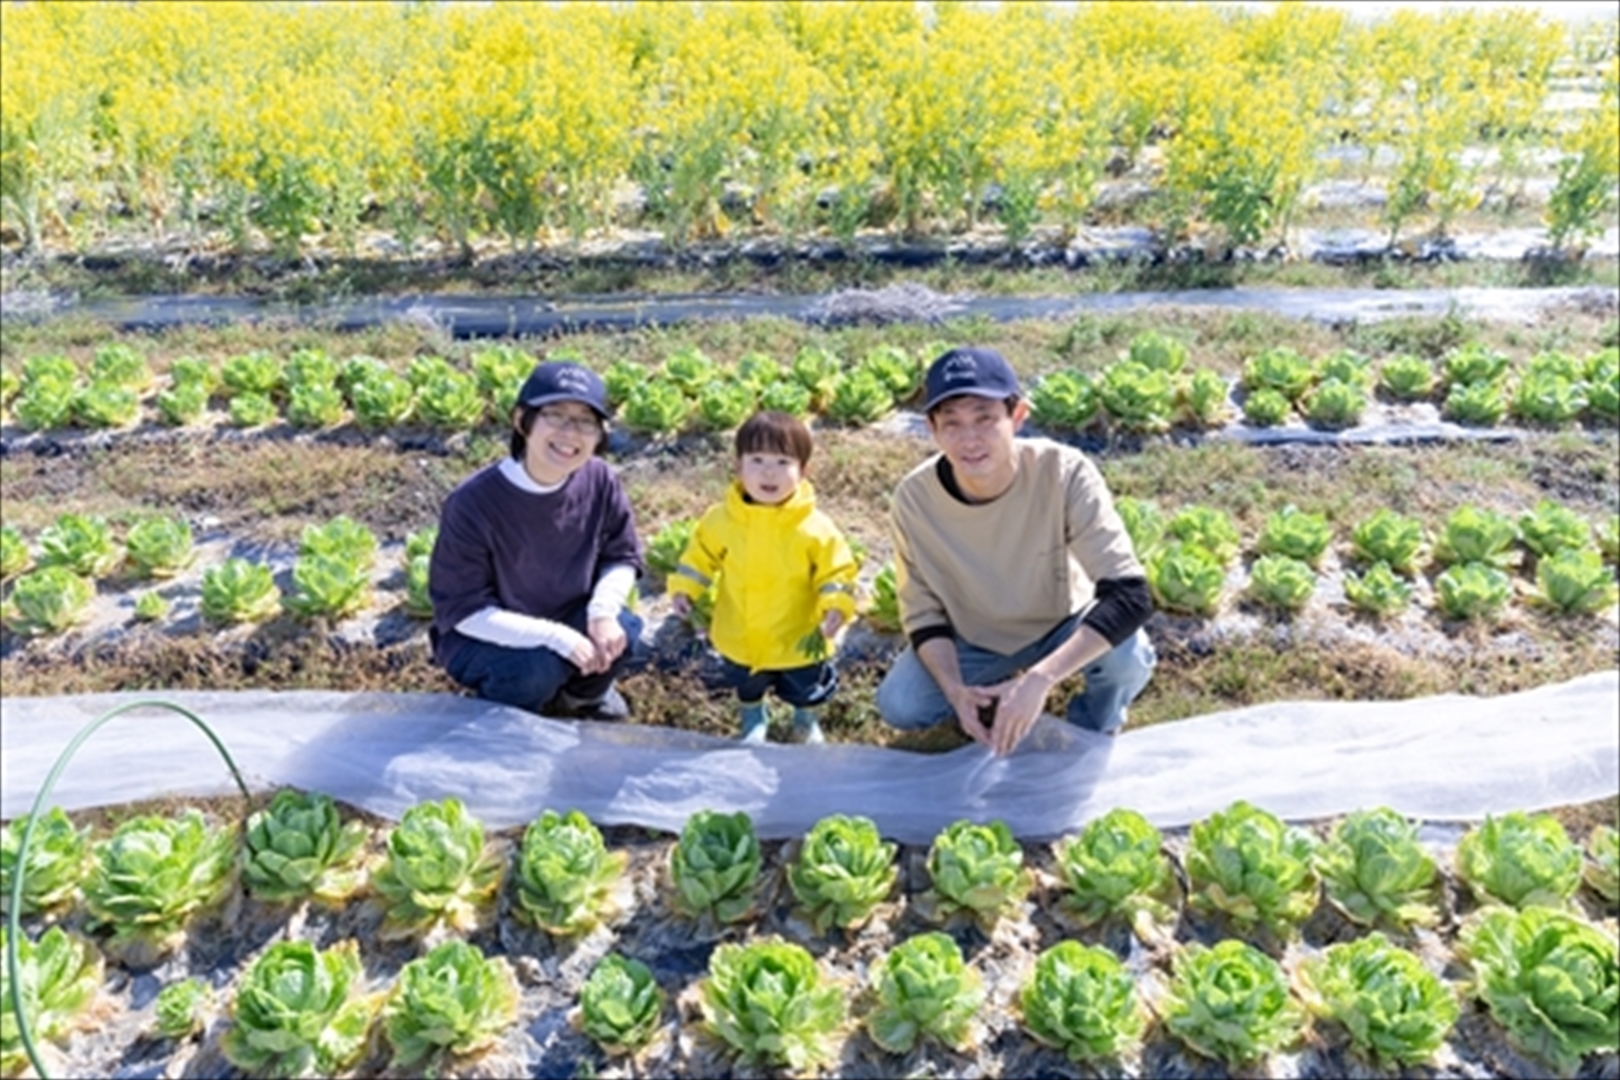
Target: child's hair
point(771, 432)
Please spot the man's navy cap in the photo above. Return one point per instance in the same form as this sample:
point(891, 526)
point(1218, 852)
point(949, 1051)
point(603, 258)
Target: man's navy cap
point(558, 380)
point(980, 372)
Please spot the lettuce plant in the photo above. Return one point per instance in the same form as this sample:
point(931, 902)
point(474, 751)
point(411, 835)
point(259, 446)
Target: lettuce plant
point(1547, 398)
point(81, 543)
point(237, 591)
point(1553, 527)
point(1520, 859)
point(1137, 397)
point(668, 544)
point(1396, 1011)
point(715, 866)
point(159, 547)
point(341, 538)
point(768, 1002)
point(499, 370)
point(690, 368)
point(1602, 870)
point(621, 379)
point(656, 407)
point(1209, 528)
point(150, 606)
point(251, 410)
point(1472, 591)
point(1063, 401)
point(1550, 979)
point(843, 871)
point(1475, 535)
point(923, 989)
point(1245, 862)
point(1185, 578)
point(437, 870)
point(1082, 1001)
point(1374, 870)
point(760, 370)
point(1407, 378)
point(45, 404)
point(421, 370)
point(1157, 351)
point(181, 1007)
point(724, 404)
point(786, 396)
point(300, 1012)
point(418, 601)
point(59, 977)
point(1296, 533)
point(1390, 538)
point(257, 373)
point(1203, 399)
point(1602, 387)
point(1142, 522)
point(1473, 363)
point(566, 881)
point(1117, 866)
point(58, 858)
point(817, 370)
point(104, 405)
point(1335, 404)
point(1280, 369)
point(315, 405)
point(182, 404)
point(117, 364)
point(1346, 366)
point(1281, 583)
point(299, 847)
point(883, 612)
point(1264, 407)
point(1575, 582)
point(1480, 404)
point(978, 869)
point(10, 384)
point(49, 600)
point(901, 373)
point(153, 874)
point(310, 367)
point(450, 401)
point(859, 397)
point(620, 1005)
point(1379, 591)
point(1608, 539)
point(382, 399)
point(50, 368)
point(328, 586)
point(1230, 1002)
point(194, 371)
point(455, 1001)
point(14, 554)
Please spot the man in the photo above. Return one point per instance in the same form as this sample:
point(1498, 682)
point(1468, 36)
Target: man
point(1014, 571)
point(535, 561)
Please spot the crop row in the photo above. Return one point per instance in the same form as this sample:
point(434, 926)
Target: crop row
point(1188, 556)
point(1150, 388)
point(1547, 974)
point(788, 117)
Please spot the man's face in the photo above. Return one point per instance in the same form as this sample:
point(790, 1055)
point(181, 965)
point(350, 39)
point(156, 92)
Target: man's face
point(976, 436)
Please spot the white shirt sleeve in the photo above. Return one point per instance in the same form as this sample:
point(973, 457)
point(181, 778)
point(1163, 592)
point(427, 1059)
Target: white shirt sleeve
point(611, 592)
point(501, 627)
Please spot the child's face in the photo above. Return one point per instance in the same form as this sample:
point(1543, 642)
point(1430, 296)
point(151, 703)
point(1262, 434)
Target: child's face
point(768, 477)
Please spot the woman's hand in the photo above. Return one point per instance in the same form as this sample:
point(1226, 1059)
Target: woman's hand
point(609, 640)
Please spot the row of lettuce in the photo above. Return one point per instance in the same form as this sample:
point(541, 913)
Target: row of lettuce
point(1565, 564)
point(1150, 388)
point(1546, 972)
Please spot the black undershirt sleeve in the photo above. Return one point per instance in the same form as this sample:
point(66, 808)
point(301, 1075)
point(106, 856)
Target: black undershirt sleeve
point(1122, 608)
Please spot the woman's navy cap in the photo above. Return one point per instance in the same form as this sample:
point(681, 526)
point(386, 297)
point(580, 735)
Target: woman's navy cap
point(558, 380)
point(980, 372)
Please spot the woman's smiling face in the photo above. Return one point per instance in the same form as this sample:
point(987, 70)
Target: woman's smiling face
point(564, 436)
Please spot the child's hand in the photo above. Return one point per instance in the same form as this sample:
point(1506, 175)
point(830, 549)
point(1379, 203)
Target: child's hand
point(831, 623)
point(682, 605)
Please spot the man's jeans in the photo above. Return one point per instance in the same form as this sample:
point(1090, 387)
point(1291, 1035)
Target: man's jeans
point(532, 678)
point(909, 698)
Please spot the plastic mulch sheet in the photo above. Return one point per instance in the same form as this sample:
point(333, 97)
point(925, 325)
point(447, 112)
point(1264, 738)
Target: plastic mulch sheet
point(1441, 758)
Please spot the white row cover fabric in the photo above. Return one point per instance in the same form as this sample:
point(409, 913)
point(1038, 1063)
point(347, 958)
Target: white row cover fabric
point(1447, 758)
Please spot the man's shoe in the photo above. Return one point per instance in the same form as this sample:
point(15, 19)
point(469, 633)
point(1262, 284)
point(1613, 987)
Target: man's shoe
point(610, 706)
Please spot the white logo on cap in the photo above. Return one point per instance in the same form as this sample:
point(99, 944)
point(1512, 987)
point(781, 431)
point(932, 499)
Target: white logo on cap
point(961, 368)
point(573, 379)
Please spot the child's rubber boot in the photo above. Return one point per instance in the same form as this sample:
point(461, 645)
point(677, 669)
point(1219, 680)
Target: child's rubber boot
point(755, 723)
point(807, 726)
